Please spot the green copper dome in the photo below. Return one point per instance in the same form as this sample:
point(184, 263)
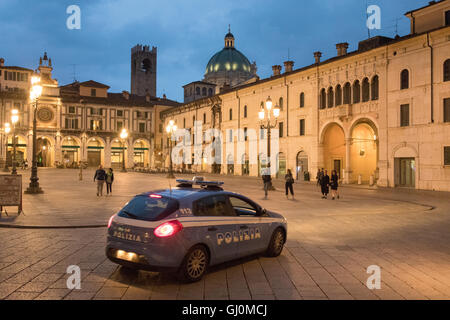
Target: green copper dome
point(228, 59)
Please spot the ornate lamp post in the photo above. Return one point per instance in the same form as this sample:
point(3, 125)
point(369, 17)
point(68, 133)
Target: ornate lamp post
point(14, 120)
point(7, 130)
point(36, 91)
point(265, 120)
point(123, 137)
point(170, 129)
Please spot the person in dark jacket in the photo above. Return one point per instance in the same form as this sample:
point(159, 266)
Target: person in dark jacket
point(289, 179)
point(100, 176)
point(334, 185)
point(324, 184)
point(109, 180)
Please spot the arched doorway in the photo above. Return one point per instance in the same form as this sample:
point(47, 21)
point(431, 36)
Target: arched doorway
point(334, 148)
point(364, 151)
point(281, 165)
point(95, 149)
point(21, 150)
point(230, 164)
point(70, 152)
point(117, 153)
point(245, 165)
point(44, 152)
point(141, 150)
point(301, 165)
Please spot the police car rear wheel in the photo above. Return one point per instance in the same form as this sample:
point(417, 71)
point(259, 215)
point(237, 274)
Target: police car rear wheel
point(195, 264)
point(276, 243)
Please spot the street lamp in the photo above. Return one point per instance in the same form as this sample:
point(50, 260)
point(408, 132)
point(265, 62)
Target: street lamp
point(14, 120)
point(170, 129)
point(7, 130)
point(35, 93)
point(266, 123)
point(123, 137)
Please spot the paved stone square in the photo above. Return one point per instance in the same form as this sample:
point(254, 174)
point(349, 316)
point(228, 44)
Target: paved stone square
point(330, 244)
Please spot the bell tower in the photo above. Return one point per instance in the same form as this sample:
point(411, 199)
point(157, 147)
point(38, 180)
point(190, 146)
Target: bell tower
point(143, 70)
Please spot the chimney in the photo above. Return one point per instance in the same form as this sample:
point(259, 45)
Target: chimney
point(288, 66)
point(2, 62)
point(147, 97)
point(276, 70)
point(342, 49)
point(126, 94)
point(317, 56)
point(164, 96)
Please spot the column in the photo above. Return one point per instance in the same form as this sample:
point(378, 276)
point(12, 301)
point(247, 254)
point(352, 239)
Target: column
point(58, 147)
point(107, 152)
point(348, 170)
point(129, 162)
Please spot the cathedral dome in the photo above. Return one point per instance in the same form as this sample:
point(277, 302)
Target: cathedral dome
point(228, 59)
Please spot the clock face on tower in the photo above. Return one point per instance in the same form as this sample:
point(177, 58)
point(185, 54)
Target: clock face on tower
point(45, 114)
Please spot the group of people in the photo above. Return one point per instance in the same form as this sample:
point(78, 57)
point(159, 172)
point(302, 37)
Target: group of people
point(326, 182)
point(102, 177)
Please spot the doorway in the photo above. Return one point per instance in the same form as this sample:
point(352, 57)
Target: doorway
point(302, 165)
point(405, 172)
point(337, 167)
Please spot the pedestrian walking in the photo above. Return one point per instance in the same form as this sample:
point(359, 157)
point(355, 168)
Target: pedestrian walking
point(266, 181)
point(109, 181)
point(334, 184)
point(325, 184)
point(289, 185)
point(319, 176)
point(100, 176)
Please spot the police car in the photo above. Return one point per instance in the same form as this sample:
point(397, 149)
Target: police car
point(190, 227)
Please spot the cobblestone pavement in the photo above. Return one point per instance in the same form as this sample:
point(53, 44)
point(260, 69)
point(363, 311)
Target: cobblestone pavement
point(330, 245)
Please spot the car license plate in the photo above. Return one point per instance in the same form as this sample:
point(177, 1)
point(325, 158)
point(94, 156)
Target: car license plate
point(127, 256)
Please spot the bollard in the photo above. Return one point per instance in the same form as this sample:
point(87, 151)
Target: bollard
point(371, 181)
point(359, 179)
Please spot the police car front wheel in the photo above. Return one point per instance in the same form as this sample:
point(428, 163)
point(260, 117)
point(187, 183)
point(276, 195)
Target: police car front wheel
point(276, 243)
point(194, 264)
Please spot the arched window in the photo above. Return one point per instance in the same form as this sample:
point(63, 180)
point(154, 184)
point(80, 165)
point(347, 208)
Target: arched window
point(210, 92)
point(365, 90)
point(231, 114)
point(330, 97)
point(447, 70)
point(356, 92)
point(203, 91)
point(281, 103)
point(245, 111)
point(347, 93)
point(323, 99)
point(204, 118)
point(375, 88)
point(302, 100)
point(404, 79)
point(197, 91)
point(338, 95)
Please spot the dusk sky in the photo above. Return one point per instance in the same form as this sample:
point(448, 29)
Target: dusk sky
point(187, 33)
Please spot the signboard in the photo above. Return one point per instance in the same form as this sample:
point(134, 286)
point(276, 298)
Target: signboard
point(11, 191)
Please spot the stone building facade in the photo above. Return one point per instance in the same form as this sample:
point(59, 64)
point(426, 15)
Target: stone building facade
point(80, 122)
point(379, 114)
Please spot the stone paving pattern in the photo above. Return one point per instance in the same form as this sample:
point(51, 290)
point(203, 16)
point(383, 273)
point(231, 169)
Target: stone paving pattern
point(330, 245)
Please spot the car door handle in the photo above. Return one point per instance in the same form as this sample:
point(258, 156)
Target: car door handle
point(244, 227)
point(212, 229)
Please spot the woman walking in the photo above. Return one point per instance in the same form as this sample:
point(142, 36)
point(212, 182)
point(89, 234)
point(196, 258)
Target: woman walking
point(324, 184)
point(334, 185)
point(100, 176)
point(109, 181)
point(289, 184)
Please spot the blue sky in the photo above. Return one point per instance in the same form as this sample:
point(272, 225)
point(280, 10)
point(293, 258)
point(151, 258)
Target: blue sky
point(186, 32)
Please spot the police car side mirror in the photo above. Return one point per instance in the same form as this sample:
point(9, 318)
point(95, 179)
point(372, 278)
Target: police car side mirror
point(261, 212)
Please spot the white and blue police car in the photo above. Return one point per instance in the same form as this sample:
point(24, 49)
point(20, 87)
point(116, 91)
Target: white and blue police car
point(190, 227)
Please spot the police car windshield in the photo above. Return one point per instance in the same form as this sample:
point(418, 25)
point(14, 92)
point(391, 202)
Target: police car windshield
point(149, 208)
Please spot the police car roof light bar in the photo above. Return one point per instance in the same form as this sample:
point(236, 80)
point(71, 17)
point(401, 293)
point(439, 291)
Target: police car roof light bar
point(183, 182)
